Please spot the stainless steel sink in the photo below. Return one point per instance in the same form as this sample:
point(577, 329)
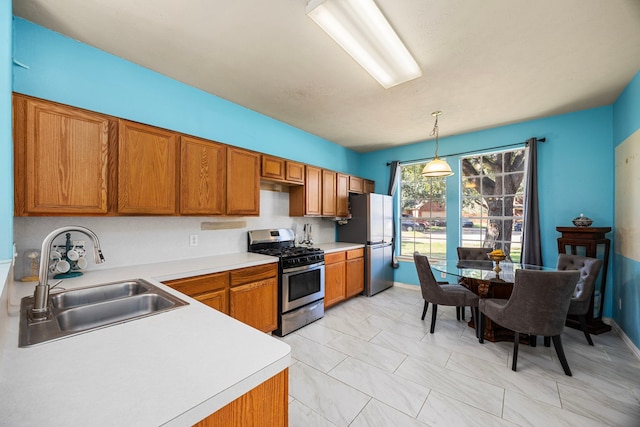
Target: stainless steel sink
point(82, 310)
point(93, 294)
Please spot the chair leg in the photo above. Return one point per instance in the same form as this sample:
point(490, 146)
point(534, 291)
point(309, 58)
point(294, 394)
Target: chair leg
point(585, 331)
point(533, 340)
point(482, 324)
point(457, 313)
point(463, 309)
point(434, 313)
point(557, 343)
point(516, 341)
point(424, 310)
point(476, 319)
point(547, 341)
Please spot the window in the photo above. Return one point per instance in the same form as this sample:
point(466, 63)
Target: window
point(423, 226)
point(492, 201)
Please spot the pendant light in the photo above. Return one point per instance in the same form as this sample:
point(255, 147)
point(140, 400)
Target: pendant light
point(437, 166)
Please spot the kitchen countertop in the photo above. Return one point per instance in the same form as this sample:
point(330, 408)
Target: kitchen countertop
point(158, 370)
point(338, 246)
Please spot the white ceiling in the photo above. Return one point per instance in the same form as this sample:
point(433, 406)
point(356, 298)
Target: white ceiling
point(485, 63)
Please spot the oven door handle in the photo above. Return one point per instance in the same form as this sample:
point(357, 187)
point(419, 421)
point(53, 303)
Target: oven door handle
point(303, 268)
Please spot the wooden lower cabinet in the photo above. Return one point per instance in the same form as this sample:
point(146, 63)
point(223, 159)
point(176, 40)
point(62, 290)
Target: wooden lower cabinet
point(355, 272)
point(256, 304)
point(343, 275)
point(209, 289)
point(334, 278)
point(265, 405)
point(249, 295)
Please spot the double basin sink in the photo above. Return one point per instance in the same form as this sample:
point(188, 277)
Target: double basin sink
point(85, 309)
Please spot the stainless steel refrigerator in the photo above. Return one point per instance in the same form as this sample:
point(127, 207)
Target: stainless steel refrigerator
point(371, 223)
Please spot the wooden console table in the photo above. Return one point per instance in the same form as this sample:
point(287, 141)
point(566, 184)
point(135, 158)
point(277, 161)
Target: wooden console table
point(589, 238)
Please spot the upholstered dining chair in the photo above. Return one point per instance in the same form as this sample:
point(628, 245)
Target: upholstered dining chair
point(538, 305)
point(581, 299)
point(471, 254)
point(437, 294)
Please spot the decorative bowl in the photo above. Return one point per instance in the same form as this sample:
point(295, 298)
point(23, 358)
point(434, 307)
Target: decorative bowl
point(497, 258)
point(582, 221)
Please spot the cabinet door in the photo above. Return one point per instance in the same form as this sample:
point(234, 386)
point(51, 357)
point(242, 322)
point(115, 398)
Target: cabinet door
point(334, 278)
point(355, 276)
point(273, 168)
point(307, 200)
point(356, 185)
point(334, 283)
point(61, 156)
point(243, 182)
point(147, 165)
point(294, 172)
point(203, 168)
point(217, 300)
point(255, 304)
point(342, 195)
point(328, 193)
point(369, 186)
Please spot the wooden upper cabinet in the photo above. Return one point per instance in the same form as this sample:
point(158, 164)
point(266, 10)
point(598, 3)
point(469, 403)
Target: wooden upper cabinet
point(243, 182)
point(307, 200)
point(369, 186)
point(294, 172)
point(356, 185)
point(313, 187)
point(61, 159)
point(273, 168)
point(328, 193)
point(203, 168)
point(342, 195)
point(281, 170)
point(147, 169)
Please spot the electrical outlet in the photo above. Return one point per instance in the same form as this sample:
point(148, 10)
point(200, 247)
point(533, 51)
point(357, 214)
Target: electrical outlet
point(193, 240)
point(619, 303)
point(443, 275)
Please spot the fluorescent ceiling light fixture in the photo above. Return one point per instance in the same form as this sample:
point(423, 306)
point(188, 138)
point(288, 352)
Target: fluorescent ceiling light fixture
point(361, 29)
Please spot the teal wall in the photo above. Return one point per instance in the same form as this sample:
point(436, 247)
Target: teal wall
point(70, 72)
point(576, 163)
point(6, 140)
point(626, 113)
point(576, 171)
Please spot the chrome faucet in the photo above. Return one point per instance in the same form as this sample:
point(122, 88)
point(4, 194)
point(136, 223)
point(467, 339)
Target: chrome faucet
point(41, 293)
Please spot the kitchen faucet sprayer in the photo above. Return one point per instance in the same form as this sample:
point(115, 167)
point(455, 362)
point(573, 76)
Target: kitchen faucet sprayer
point(41, 293)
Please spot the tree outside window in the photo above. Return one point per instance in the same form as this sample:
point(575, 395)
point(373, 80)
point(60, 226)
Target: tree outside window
point(492, 201)
point(423, 213)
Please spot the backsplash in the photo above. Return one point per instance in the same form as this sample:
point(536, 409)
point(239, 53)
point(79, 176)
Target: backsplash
point(143, 240)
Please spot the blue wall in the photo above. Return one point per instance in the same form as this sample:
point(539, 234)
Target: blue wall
point(576, 173)
point(70, 72)
point(576, 163)
point(626, 113)
point(6, 140)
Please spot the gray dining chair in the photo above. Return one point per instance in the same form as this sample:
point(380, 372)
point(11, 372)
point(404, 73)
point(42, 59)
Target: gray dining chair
point(441, 294)
point(538, 306)
point(471, 254)
point(581, 299)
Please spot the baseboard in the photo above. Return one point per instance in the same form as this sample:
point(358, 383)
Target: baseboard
point(406, 286)
point(622, 335)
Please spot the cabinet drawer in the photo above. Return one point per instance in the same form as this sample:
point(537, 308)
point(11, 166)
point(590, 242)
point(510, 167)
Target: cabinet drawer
point(355, 253)
point(334, 257)
point(199, 284)
point(253, 274)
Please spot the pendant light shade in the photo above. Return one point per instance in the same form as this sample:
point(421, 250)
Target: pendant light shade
point(436, 167)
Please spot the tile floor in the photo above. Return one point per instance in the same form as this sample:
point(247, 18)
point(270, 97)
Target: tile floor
point(373, 362)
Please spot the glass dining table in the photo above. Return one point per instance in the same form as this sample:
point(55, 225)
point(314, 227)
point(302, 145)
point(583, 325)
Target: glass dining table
point(487, 280)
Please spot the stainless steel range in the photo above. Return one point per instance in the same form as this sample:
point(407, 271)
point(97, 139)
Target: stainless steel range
point(301, 278)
